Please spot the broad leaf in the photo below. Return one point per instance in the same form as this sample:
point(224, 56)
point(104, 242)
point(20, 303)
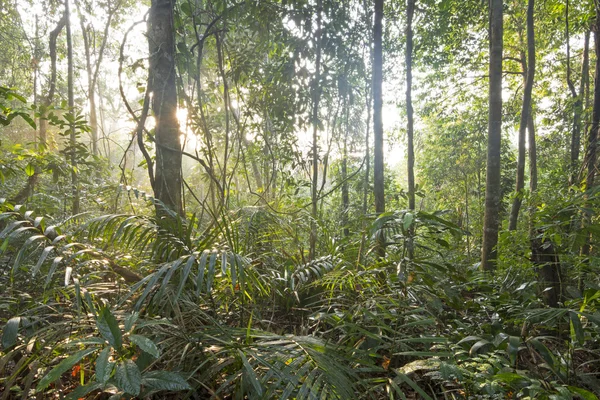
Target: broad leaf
point(103, 366)
point(109, 328)
point(145, 344)
point(128, 377)
point(164, 380)
point(9, 333)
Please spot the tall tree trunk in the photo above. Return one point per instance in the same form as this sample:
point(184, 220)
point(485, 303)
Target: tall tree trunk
point(532, 155)
point(162, 83)
point(73, 135)
point(43, 136)
point(578, 109)
point(591, 155)
point(410, 10)
point(529, 72)
point(35, 64)
point(93, 69)
point(492, 186)
point(226, 150)
point(378, 177)
point(316, 93)
point(378, 182)
point(345, 194)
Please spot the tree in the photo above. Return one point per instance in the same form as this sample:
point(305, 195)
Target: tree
point(492, 186)
point(591, 156)
point(577, 97)
point(162, 85)
point(529, 73)
point(316, 97)
point(410, 10)
point(93, 67)
point(378, 183)
point(71, 97)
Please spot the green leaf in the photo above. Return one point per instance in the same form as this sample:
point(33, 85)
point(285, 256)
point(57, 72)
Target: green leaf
point(29, 170)
point(9, 333)
point(408, 220)
point(103, 366)
point(583, 393)
point(109, 328)
point(576, 328)
point(513, 380)
point(186, 9)
point(543, 351)
point(128, 377)
point(480, 345)
point(251, 375)
point(513, 348)
point(62, 367)
point(145, 344)
point(41, 260)
point(414, 385)
point(164, 380)
point(131, 320)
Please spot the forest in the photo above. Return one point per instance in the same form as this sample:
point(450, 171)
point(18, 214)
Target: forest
point(299, 199)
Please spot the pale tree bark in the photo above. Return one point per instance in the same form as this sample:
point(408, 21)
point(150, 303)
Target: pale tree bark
point(578, 124)
point(410, 10)
point(316, 93)
point(93, 69)
point(378, 164)
point(47, 101)
point(71, 100)
point(378, 178)
point(345, 189)
point(492, 192)
point(162, 84)
point(368, 97)
point(529, 74)
point(591, 156)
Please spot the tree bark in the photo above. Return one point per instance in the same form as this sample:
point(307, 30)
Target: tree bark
point(578, 112)
point(378, 179)
point(316, 93)
point(71, 100)
point(591, 155)
point(492, 192)
point(93, 70)
point(162, 83)
point(410, 10)
point(529, 72)
point(345, 194)
point(43, 136)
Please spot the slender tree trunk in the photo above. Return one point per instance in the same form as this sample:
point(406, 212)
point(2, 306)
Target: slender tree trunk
point(162, 83)
point(93, 69)
point(226, 150)
point(91, 89)
point(529, 72)
point(36, 63)
point(345, 194)
point(43, 136)
point(467, 222)
point(492, 192)
point(315, 148)
point(410, 10)
point(71, 96)
point(378, 183)
point(378, 164)
point(578, 109)
point(533, 181)
point(591, 155)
